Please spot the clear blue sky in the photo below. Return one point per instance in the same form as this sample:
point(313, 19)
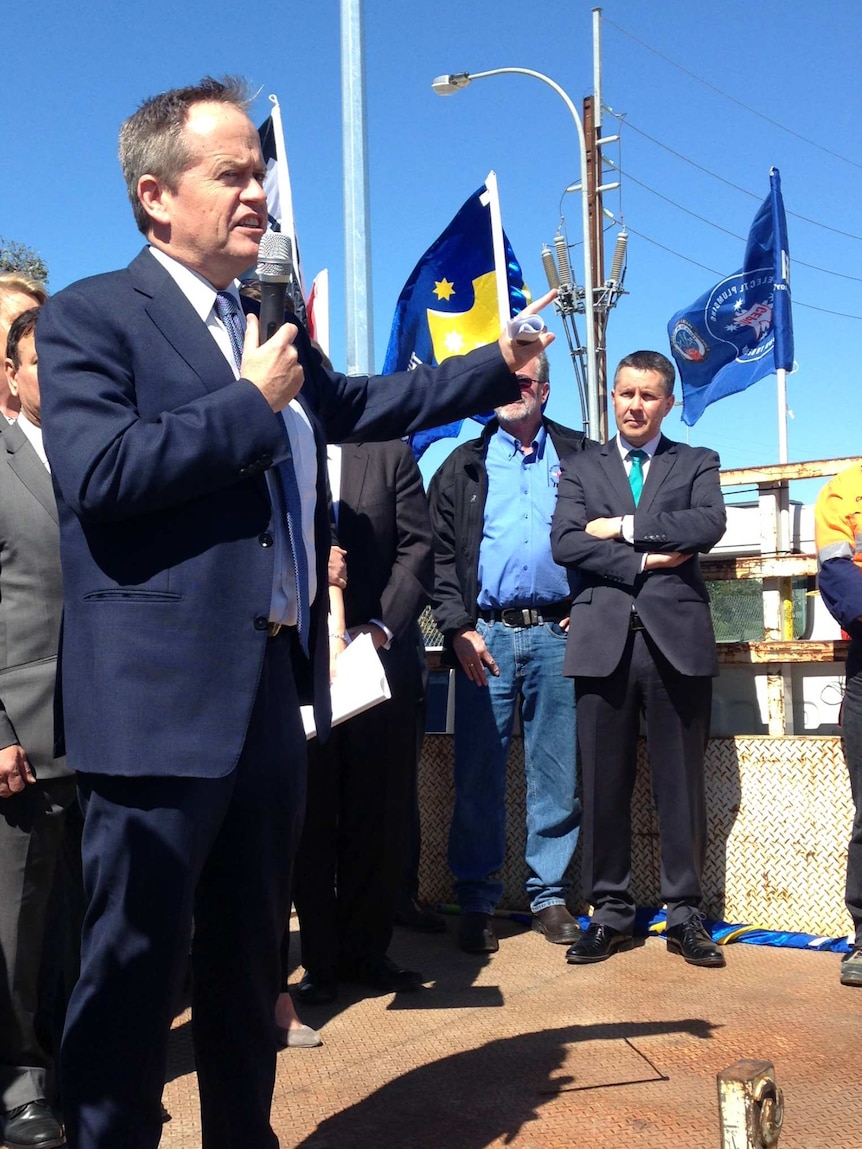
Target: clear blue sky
point(72, 72)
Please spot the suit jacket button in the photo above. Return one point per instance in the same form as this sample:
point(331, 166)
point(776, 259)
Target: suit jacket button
point(265, 461)
point(261, 623)
point(265, 539)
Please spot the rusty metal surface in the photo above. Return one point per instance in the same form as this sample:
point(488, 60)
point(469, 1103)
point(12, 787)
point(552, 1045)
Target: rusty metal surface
point(525, 1051)
point(775, 473)
point(774, 653)
point(719, 569)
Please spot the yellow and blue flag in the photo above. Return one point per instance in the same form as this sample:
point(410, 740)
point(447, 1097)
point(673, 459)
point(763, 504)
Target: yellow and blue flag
point(449, 304)
point(741, 330)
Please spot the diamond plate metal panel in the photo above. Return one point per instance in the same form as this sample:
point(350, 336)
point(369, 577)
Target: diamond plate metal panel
point(779, 818)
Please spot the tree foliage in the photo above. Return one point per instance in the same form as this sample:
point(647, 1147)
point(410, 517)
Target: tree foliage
point(21, 258)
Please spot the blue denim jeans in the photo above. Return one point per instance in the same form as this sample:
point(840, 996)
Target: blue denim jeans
point(531, 667)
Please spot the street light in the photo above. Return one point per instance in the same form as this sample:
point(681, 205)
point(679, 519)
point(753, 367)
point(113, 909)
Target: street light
point(445, 86)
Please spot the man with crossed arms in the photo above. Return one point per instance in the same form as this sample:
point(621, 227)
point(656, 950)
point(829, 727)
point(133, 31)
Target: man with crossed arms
point(631, 519)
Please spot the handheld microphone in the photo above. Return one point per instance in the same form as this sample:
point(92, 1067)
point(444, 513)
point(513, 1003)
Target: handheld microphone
point(274, 262)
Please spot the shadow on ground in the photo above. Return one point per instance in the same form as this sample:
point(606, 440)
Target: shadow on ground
point(473, 1099)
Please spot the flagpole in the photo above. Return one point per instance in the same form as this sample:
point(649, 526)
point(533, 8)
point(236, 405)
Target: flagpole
point(500, 263)
point(781, 391)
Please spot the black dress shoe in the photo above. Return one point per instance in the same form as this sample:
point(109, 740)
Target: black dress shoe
point(691, 940)
point(314, 990)
point(598, 943)
point(31, 1126)
point(476, 934)
point(379, 973)
point(411, 916)
point(557, 924)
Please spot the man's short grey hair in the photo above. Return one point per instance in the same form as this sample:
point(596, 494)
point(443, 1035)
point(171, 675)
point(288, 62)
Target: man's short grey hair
point(649, 361)
point(153, 140)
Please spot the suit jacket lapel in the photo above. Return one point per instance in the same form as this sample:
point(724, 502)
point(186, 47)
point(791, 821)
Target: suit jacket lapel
point(354, 464)
point(22, 457)
point(179, 323)
point(661, 465)
point(616, 475)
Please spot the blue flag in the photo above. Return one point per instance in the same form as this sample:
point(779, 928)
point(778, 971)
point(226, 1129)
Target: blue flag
point(741, 330)
point(449, 304)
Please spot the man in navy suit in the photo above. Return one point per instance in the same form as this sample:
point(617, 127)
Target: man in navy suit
point(629, 523)
point(188, 566)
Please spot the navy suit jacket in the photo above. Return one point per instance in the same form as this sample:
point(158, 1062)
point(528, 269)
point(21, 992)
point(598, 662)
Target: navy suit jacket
point(158, 456)
point(681, 508)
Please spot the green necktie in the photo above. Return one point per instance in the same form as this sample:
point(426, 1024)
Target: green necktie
point(636, 474)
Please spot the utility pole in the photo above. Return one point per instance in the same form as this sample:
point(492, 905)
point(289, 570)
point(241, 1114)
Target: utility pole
point(592, 134)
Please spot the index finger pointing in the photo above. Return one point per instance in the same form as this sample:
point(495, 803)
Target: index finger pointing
point(539, 304)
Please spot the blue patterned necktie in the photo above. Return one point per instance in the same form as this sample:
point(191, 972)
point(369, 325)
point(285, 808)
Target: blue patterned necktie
point(228, 312)
point(636, 474)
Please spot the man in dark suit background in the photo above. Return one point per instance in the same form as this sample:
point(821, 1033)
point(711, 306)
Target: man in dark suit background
point(630, 521)
point(350, 861)
point(37, 791)
point(190, 474)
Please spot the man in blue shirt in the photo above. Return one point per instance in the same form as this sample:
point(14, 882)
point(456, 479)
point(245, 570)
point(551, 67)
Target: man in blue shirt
point(502, 605)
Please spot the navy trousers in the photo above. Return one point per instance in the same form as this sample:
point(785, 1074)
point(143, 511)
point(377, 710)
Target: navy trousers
point(158, 854)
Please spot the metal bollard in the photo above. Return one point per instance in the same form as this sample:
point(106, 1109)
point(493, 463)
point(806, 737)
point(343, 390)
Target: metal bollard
point(750, 1104)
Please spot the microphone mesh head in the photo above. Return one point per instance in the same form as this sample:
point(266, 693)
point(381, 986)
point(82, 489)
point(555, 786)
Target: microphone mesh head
point(274, 258)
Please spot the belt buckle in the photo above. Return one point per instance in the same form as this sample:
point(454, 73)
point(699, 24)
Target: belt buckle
point(519, 617)
point(274, 628)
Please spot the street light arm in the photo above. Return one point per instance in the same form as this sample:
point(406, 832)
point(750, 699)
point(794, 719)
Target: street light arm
point(446, 85)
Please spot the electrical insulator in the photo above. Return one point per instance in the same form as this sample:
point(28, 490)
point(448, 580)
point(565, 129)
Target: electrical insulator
point(550, 267)
point(563, 259)
point(619, 257)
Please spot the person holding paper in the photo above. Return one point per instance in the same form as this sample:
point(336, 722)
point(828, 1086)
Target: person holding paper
point(350, 864)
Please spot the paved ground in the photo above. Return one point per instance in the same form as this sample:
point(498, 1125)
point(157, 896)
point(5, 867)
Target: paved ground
point(526, 1051)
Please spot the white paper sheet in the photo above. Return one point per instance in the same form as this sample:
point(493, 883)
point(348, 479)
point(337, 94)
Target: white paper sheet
point(359, 683)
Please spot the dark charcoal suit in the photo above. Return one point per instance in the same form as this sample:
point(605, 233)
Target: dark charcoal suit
point(664, 670)
point(32, 822)
point(181, 716)
point(350, 863)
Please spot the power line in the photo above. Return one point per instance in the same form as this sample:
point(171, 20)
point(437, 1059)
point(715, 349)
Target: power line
point(722, 274)
point(623, 119)
point(724, 230)
point(733, 99)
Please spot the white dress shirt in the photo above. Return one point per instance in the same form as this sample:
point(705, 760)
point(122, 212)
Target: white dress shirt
point(201, 295)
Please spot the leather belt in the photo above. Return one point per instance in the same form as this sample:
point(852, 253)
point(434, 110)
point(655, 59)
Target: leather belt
point(635, 621)
point(520, 616)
